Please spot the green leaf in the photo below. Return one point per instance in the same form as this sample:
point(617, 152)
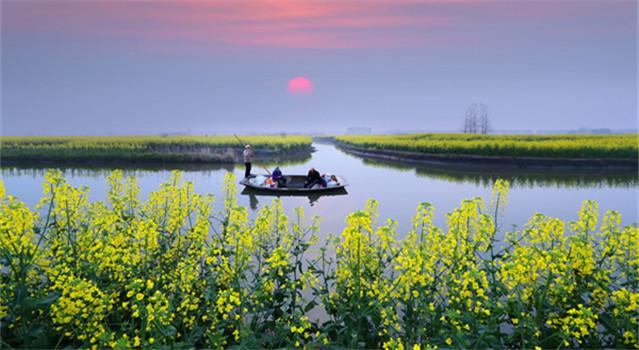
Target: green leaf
point(45, 301)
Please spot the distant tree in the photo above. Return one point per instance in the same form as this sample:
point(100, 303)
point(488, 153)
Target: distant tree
point(470, 122)
point(476, 119)
point(484, 123)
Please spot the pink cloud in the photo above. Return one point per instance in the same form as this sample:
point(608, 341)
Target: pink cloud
point(300, 23)
point(271, 23)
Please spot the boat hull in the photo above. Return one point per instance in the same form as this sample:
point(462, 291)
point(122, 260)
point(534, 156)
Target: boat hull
point(295, 185)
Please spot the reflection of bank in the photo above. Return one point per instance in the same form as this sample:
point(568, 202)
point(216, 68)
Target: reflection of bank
point(313, 197)
point(518, 178)
point(98, 168)
point(99, 171)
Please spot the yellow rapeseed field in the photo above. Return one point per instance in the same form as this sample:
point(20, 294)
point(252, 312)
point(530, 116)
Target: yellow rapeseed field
point(564, 146)
point(141, 148)
point(173, 271)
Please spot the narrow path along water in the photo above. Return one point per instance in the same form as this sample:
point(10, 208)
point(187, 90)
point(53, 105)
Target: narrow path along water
point(398, 188)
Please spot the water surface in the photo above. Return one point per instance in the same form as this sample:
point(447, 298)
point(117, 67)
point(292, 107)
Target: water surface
point(398, 187)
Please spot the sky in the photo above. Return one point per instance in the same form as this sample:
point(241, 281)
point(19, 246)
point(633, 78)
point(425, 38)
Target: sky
point(204, 67)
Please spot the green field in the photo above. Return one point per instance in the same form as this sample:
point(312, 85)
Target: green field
point(176, 271)
point(553, 146)
point(144, 148)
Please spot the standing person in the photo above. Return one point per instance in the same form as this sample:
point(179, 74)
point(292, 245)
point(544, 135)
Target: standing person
point(248, 159)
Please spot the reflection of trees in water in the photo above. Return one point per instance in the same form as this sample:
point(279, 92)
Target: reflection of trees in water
point(103, 170)
point(272, 163)
point(518, 178)
point(93, 171)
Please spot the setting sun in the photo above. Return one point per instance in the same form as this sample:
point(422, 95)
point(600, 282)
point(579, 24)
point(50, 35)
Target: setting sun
point(300, 86)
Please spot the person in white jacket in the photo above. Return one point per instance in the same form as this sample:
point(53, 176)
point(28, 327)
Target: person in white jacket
point(248, 159)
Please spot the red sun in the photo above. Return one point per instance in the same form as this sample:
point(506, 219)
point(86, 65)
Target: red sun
point(300, 86)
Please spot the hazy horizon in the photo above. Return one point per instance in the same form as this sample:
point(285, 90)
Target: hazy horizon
point(88, 68)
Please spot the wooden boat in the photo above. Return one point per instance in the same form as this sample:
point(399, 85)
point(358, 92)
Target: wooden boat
point(312, 195)
point(294, 184)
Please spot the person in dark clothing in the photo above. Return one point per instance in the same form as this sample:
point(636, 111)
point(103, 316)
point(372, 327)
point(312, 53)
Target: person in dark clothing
point(314, 178)
point(278, 177)
point(248, 159)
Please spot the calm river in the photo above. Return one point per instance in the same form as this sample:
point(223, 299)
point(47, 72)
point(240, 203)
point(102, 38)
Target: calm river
point(398, 188)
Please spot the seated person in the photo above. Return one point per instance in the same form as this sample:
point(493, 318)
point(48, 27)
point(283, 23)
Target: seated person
point(331, 180)
point(313, 178)
point(278, 177)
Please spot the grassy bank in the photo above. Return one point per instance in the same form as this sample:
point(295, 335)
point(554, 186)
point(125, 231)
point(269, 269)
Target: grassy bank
point(150, 149)
point(518, 179)
point(174, 272)
point(547, 146)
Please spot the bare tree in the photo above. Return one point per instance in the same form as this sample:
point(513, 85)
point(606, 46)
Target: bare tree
point(484, 123)
point(467, 121)
point(476, 120)
point(470, 122)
